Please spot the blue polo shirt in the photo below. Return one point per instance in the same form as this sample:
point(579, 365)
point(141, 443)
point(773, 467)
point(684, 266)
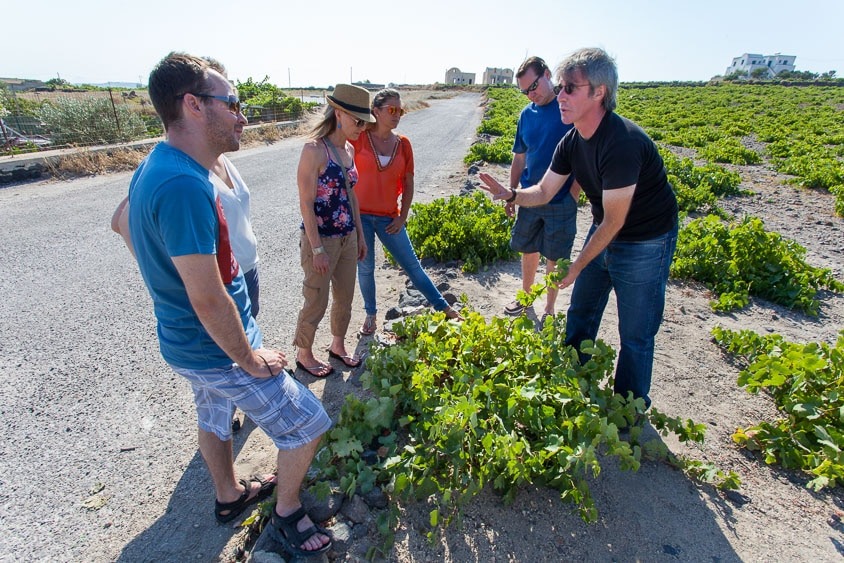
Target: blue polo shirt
point(538, 133)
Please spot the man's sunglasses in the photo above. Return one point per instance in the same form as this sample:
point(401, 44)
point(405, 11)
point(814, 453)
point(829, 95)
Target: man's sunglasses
point(570, 87)
point(393, 110)
point(232, 101)
point(532, 87)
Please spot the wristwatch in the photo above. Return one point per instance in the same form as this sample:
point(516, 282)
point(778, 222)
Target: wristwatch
point(512, 197)
point(318, 250)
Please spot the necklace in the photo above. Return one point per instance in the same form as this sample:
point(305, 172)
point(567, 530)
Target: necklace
point(391, 151)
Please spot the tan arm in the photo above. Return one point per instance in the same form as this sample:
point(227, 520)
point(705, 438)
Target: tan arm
point(120, 223)
point(218, 314)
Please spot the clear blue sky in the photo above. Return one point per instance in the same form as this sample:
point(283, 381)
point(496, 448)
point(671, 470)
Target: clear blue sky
point(325, 42)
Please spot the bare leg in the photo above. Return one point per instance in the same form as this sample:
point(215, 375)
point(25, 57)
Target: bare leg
point(306, 357)
point(295, 463)
point(530, 262)
point(552, 293)
point(338, 345)
point(220, 461)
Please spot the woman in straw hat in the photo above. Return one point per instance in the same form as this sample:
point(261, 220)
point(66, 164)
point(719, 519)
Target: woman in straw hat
point(384, 160)
point(331, 241)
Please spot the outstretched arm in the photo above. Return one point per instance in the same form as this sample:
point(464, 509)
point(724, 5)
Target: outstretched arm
point(516, 168)
point(540, 194)
point(218, 314)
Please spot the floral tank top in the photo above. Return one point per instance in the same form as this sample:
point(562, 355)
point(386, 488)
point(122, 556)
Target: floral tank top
point(331, 206)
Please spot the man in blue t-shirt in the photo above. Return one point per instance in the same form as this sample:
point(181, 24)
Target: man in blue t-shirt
point(549, 229)
point(631, 243)
point(179, 235)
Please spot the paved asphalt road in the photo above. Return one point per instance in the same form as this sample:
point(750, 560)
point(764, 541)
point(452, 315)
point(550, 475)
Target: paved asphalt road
point(89, 408)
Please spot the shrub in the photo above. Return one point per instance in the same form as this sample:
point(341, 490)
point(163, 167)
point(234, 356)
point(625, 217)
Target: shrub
point(838, 192)
point(737, 261)
point(266, 101)
point(90, 121)
point(500, 151)
point(500, 121)
point(468, 228)
point(456, 406)
point(729, 150)
point(805, 381)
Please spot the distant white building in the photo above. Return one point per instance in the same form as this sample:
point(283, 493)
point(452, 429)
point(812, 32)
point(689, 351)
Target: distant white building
point(454, 76)
point(774, 64)
point(498, 75)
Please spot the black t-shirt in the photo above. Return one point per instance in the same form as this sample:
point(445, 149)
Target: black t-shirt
point(618, 155)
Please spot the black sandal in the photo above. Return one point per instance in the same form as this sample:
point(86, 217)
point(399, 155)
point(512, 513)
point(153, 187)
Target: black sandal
point(283, 530)
point(233, 509)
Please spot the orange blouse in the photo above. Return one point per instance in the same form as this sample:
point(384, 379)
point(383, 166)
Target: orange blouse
point(379, 187)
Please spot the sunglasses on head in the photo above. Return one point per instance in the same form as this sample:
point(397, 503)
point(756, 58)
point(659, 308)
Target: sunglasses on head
point(393, 110)
point(232, 101)
point(570, 87)
point(532, 87)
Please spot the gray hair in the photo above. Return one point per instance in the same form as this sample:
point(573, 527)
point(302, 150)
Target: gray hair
point(595, 66)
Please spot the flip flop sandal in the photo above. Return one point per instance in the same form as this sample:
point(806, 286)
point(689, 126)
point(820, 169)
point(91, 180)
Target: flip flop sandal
point(348, 361)
point(234, 509)
point(315, 370)
point(514, 308)
point(369, 326)
point(283, 530)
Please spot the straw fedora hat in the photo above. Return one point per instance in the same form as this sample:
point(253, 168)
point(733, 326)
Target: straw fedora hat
point(352, 99)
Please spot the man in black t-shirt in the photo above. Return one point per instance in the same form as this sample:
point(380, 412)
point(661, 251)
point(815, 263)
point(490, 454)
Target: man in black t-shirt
point(631, 243)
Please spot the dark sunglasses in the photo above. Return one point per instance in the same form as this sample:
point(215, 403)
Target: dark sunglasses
point(232, 101)
point(532, 87)
point(570, 87)
point(358, 122)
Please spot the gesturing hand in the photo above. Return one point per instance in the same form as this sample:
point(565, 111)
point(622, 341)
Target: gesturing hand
point(494, 187)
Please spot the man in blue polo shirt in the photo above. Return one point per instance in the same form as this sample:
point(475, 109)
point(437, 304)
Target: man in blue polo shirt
point(546, 230)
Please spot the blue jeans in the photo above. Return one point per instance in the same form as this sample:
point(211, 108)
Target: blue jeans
point(638, 272)
point(399, 246)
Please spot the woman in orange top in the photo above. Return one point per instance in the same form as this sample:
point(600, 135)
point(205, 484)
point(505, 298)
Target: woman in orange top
point(385, 166)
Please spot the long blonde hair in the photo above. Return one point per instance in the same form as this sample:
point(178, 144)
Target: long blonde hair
point(324, 125)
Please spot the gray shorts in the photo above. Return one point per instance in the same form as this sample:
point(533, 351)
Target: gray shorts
point(547, 229)
point(281, 406)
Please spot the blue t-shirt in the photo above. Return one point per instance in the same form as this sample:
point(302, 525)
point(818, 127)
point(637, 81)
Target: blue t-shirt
point(538, 133)
point(173, 211)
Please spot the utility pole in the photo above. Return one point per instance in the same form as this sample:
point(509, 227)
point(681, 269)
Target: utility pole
point(350, 76)
point(288, 78)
